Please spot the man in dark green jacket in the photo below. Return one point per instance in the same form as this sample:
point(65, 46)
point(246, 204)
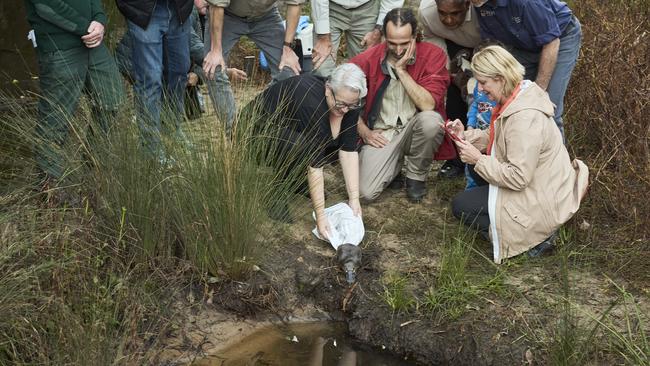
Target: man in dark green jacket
point(71, 58)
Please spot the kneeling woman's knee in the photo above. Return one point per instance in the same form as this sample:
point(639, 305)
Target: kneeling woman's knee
point(458, 206)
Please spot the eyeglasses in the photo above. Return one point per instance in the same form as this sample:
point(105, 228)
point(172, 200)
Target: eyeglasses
point(351, 107)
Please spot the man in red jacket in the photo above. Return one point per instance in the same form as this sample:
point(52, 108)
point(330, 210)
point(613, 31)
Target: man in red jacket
point(402, 123)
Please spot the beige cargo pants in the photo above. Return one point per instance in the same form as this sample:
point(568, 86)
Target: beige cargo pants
point(413, 146)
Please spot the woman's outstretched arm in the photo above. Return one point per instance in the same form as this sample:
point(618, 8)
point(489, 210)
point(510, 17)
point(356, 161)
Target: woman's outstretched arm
point(350, 166)
point(316, 183)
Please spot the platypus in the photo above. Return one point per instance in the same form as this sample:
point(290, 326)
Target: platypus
point(349, 256)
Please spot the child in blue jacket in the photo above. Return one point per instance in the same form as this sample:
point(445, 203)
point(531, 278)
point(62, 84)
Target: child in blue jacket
point(478, 116)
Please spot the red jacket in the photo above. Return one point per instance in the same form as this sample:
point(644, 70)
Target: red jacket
point(428, 71)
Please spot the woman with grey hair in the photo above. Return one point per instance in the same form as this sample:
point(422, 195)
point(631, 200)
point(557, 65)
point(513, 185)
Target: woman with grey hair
point(315, 122)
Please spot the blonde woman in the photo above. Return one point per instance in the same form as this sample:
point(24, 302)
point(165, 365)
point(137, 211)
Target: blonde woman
point(528, 186)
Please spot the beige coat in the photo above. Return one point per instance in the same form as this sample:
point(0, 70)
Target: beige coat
point(534, 186)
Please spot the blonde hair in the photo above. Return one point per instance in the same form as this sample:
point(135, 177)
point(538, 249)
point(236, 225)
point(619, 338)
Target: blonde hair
point(495, 62)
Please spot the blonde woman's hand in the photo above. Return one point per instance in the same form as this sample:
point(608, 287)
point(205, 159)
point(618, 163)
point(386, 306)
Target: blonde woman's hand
point(456, 127)
point(467, 152)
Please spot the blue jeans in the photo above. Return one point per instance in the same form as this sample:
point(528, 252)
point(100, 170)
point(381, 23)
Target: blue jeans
point(567, 56)
point(268, 34)
point(160, 52)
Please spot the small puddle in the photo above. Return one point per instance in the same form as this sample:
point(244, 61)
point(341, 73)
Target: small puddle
point(297, 344)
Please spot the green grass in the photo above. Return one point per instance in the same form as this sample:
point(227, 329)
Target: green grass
point(458, 283)
point(396, 294)
point(69, 298)
point(91, 281)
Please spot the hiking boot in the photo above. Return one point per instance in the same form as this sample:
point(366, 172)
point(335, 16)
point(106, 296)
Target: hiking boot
point(397, 183)
point(543, 248)
point(415, 190)
point(451, 170)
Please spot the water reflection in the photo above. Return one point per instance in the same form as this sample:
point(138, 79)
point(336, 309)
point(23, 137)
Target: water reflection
point(312, 344)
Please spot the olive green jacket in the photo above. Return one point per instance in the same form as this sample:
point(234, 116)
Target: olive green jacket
point(59, 24)
point(534, 185)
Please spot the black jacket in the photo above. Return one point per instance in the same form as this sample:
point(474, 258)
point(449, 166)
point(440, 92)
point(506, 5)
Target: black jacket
point(139, 11)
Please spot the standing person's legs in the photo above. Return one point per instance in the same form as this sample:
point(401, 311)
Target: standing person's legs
point(105, 87)
point(471, 207)
point(268, 35)
point(61, 75)
point(339, 22)
point(147, 57)
point(361, 21)
point(219, 88)
point(177, 60)
point(566, 60)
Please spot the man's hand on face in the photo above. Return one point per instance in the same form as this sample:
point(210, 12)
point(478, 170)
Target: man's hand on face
point(95, 35)
point(404, 60)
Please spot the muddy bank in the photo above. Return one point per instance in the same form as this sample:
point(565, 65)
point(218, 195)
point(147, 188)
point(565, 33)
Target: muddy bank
point(516, 319)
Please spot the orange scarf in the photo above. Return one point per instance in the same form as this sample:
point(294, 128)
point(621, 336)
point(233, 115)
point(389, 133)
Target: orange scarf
point(496, 112)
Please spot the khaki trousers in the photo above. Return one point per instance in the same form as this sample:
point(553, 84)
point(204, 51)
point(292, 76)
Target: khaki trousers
point(414, 146)
point(355, 23)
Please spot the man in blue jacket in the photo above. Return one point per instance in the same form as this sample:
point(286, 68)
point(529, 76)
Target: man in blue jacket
point(72, 58)
point(543, 35)
point(160, 33)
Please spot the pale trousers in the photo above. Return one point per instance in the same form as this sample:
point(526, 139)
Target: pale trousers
point(413, 147)
point(355, 23)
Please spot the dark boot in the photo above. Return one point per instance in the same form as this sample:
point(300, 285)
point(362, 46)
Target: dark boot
point(415, 190)
point(397, 183)
point(452, 169)
point(543, 248)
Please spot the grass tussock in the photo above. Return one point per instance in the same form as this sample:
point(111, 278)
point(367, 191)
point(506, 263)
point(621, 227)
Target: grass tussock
point(91, 263)
point(396, 293)
point(459, 283)
point(70, 298)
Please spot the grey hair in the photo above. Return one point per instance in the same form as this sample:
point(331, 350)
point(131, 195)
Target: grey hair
point(349, 76)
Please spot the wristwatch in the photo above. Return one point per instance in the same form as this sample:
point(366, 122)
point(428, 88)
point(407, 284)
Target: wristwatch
point(291, 44)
